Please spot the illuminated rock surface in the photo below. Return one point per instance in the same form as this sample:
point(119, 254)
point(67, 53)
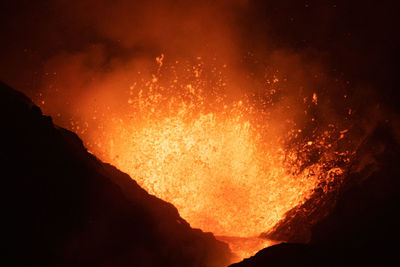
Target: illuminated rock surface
point(362, 229)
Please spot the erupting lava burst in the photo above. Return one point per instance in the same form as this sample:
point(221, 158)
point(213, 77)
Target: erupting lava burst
point(228, 164)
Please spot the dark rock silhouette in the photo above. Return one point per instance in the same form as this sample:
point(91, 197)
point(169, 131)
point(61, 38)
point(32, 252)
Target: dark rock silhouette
point(64, 207)
point(363, 227)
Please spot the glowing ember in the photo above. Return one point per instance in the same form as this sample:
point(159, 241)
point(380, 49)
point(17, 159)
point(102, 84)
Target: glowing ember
point(223, 162)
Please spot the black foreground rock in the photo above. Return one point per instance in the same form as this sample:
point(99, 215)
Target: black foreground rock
point(363, 229)
point(64, 207)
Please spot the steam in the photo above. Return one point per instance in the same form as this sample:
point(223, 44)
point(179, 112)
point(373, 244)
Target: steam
point(93, 50)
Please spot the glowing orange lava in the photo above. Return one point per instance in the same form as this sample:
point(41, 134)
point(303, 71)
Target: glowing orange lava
point(221, 161)
point(213, 169)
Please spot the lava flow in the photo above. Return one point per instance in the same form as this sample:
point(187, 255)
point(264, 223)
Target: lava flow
point(230, 165)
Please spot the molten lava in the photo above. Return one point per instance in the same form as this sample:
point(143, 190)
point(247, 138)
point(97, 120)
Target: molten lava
point(230, 165)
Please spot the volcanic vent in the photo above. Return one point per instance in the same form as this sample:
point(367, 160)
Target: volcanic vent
point(242, 160)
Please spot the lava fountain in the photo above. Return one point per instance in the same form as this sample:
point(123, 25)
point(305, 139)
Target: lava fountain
point(231, 164)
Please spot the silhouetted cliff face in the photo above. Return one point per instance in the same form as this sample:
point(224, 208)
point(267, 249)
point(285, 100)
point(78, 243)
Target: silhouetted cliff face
point(64, 207)
point(363, 227)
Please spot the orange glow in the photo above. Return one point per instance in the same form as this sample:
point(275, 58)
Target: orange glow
point(213, 170)
point(245, 247)
point(222, 161)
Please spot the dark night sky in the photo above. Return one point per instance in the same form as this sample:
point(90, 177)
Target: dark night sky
point(358, 40)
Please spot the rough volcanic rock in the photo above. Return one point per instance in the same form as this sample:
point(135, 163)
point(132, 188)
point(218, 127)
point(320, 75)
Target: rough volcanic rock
point(64, 207)
point(363, 227)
